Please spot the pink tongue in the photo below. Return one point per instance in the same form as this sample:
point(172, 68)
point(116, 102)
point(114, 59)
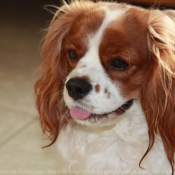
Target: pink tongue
point(79, 113)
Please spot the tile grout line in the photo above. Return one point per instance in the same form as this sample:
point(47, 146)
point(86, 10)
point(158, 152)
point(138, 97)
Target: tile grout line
point(6, 108)
point(16, 133)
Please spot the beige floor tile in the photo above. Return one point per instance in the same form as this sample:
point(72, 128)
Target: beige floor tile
point(25, 153)
point(21, 138)
point(12, 123)
point(17, 69)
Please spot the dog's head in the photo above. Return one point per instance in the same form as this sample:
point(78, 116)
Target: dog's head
point(99, 59)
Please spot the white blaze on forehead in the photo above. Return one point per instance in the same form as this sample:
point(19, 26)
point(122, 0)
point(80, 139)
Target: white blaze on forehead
point(92, 55)
point(91, 58)
point(111, 15)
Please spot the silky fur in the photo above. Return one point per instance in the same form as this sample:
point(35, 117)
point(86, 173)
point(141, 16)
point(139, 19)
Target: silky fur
point(142, 140)
point(117, 149)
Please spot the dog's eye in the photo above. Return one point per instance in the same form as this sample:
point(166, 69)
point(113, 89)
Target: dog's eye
point(119, 64)
point(73, 55)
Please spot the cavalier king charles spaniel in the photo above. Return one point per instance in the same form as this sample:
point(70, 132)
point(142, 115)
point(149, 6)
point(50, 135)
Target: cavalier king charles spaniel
point(107, 88)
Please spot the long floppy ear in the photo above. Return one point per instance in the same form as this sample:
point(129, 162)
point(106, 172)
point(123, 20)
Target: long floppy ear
point(158, 90)
point(49, 88)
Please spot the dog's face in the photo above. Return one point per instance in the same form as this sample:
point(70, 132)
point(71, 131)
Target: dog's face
point(107, 55)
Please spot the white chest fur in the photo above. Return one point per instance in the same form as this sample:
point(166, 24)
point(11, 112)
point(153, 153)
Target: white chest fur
point(114, 150)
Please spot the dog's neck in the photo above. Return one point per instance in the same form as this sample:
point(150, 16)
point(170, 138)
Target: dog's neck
point(118, 148)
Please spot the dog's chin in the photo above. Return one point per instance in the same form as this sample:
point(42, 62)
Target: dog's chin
point(106, 119)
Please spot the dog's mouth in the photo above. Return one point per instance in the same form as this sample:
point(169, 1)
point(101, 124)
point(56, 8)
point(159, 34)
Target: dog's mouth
point(82, 114)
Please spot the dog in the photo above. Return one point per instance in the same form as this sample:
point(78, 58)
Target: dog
point(106, 94)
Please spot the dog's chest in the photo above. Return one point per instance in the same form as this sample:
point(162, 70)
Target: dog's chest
point(110, 151)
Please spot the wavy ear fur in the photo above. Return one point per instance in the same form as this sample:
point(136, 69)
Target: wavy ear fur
point(158, 90)
point(49, 88)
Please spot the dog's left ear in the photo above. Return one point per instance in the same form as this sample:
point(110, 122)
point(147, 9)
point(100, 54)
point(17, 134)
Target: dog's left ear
point(158, 89)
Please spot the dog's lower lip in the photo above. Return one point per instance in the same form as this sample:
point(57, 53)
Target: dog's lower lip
point(119, 111)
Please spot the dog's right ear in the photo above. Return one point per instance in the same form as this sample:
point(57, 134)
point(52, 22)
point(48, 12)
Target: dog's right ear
point(49, 87)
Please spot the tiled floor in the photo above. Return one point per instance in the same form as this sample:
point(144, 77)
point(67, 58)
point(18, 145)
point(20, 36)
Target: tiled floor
point(21, 138)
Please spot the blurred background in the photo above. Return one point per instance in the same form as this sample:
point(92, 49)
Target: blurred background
point(21, 139)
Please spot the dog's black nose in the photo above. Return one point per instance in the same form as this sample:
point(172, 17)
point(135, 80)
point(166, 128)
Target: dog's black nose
point(78, 88)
